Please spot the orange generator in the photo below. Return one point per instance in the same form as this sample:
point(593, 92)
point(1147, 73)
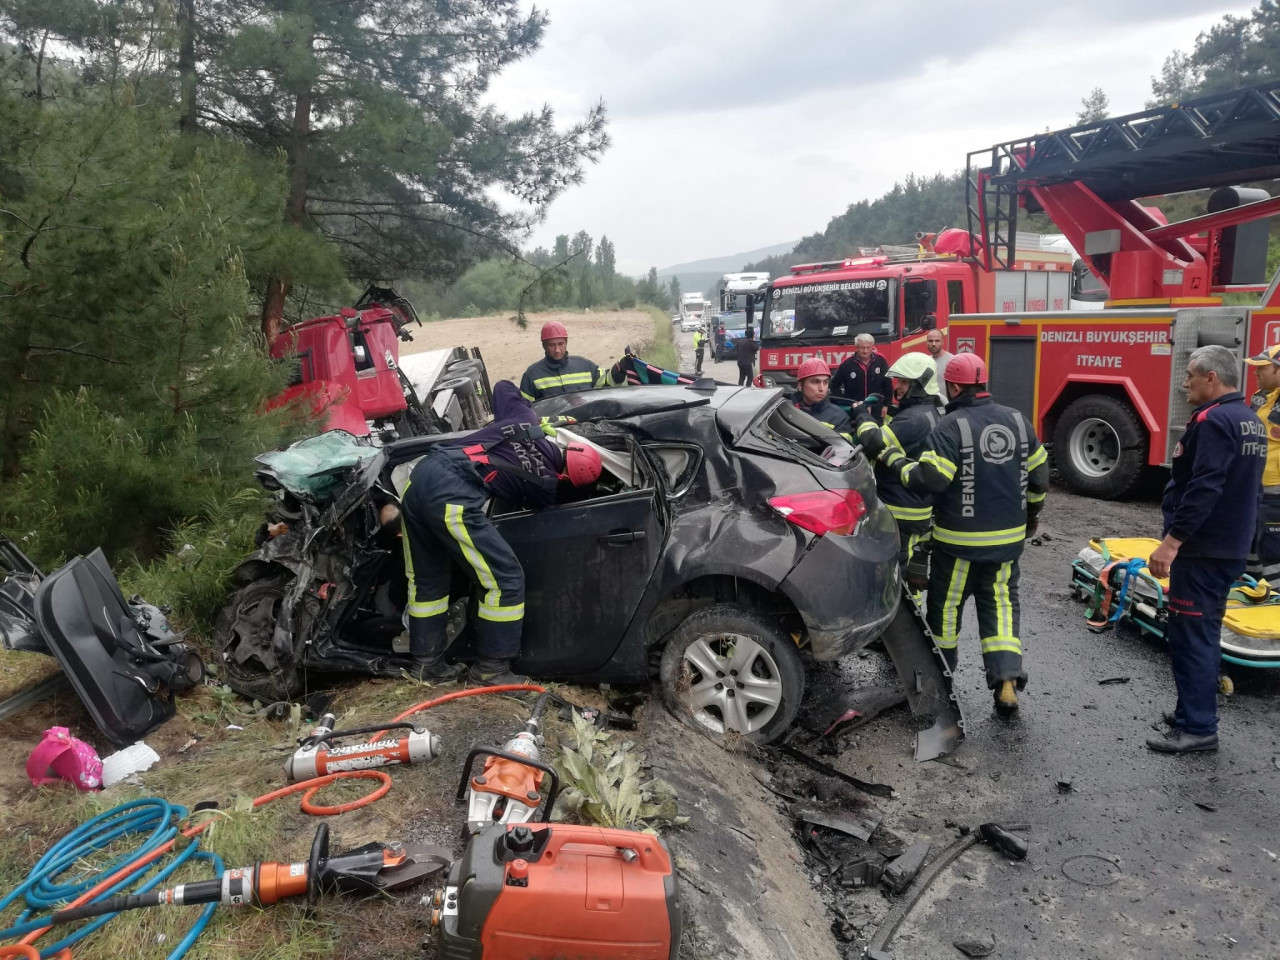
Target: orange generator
point(525, 891)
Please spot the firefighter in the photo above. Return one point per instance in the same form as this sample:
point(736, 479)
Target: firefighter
point(1264, 556)
point(557, 372)
point(913, 417)
point(813, 379)
point(1209, 511)
point(699, 348)
point(988, 474)
point(445, 521)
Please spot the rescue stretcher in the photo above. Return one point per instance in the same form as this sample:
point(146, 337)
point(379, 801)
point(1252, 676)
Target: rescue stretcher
point(1111, 575)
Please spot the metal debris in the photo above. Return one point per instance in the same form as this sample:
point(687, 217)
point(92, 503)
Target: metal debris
point(835, 817)
point(899, 874)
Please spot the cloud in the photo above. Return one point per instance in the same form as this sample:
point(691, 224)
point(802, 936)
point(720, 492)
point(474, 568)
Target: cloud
point(736, 125)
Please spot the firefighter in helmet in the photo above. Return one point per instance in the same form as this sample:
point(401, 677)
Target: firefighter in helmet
point(558, 372)
point(912, 417)
point(814, 380)
point(988, 474)
point(444, 507)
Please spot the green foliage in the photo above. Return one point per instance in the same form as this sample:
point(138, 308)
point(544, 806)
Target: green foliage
point(130, 386)
point(1237, 51)
point(604, 783)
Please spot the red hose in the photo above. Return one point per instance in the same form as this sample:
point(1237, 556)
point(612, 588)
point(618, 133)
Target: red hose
point(309, 788)
point(458, 695)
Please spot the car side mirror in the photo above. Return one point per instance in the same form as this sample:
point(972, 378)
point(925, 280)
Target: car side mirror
point(930, 322)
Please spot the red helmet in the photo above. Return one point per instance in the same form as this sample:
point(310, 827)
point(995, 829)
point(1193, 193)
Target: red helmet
point(554, 330)
point(813, 367)
point(581, 463)
point(965, 369)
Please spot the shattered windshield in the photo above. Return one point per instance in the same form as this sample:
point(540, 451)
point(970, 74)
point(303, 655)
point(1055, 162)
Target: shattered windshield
point(839, 308)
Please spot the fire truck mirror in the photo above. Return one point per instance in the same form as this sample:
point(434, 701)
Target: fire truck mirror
point(930, 322)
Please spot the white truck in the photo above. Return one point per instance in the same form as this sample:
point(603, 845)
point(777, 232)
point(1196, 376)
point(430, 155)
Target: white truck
point(693, 311)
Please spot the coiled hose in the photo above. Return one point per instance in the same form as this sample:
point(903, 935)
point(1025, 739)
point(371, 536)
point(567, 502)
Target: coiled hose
point(156, 822)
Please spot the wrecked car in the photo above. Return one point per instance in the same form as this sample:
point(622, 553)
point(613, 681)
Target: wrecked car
point(729, 534)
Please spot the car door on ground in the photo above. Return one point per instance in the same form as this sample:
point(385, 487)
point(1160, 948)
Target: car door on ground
point(586, 567)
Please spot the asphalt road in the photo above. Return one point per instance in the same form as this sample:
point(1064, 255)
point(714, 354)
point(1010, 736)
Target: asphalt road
point(1136, 854)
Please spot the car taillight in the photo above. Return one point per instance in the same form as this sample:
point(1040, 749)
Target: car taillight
point(823, 511)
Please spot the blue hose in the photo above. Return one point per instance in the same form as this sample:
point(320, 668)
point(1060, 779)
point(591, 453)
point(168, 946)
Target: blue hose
point(156, 820)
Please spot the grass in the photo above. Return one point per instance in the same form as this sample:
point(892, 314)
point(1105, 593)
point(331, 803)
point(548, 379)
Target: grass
point(660, 350)
point(201, 759)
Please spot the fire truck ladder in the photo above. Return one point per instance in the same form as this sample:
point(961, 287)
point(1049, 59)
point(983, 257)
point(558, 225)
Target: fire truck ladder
point(1213, 141)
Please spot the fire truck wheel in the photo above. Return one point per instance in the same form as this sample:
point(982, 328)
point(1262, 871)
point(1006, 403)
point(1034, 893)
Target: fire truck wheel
point(1100, 447)
point(729, 671)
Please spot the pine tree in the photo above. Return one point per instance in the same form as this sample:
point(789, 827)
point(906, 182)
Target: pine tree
point(1094, 107)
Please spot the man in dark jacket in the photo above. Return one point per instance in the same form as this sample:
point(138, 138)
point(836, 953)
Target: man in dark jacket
point(746, 351)
point(1210, 511)
point(915, 414)
point(557, 372)
point(864, 374)
point(445, 521)
point(813, 378)
point(988, 474)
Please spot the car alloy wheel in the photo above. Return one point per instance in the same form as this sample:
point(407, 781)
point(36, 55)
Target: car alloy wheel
point(731, 671)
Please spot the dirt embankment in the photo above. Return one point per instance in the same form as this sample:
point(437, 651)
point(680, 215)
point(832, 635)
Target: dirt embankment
point(508, 350)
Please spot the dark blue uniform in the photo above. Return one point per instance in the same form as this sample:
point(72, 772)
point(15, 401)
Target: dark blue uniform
point(989, 474)
point(908, 431)
point(825, 412)
point(552, 378)
point(1210, 504)
point(445, 521)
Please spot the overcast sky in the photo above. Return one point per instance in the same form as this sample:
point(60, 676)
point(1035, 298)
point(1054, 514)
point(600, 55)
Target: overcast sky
point(737, 124)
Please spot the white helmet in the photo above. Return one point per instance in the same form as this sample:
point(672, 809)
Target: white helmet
point(920, 368)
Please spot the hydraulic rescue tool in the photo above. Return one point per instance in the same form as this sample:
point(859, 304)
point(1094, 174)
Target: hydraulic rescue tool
point(372, 868)
point(317, 755)
point(559, 890)
point(509, 788)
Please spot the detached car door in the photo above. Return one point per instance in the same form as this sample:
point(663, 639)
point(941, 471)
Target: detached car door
point(586, 567)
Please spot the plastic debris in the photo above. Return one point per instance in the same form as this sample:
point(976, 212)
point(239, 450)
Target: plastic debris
point(60, 756)
point(132, 759)
point(899, 874)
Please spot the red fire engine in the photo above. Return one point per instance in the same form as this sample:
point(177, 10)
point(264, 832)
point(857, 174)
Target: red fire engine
point(1105, 387)
point(820, 307)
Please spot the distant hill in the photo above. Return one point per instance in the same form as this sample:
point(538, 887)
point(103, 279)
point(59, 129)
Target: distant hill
point(701, 275)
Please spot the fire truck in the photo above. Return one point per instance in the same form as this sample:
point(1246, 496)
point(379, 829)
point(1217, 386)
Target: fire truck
point(820, 308)
point(1104, 388)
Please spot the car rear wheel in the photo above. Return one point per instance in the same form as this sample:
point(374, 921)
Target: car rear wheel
point(244, 632)
point(730, 671)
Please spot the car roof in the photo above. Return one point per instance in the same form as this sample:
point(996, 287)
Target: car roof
point(618, 402)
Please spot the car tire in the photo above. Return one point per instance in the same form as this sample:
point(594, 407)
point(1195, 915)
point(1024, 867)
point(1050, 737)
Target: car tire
point(250, 618)
point(1100, 447)
point(724, 656)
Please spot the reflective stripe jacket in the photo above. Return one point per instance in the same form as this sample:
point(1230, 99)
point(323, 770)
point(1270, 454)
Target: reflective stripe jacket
point(551, 378)
point(908, 432)
point(539, 457)
point(989, 473)
point(1215, 480)
point(699, 340)
point(1269, 413)
point(825, 412)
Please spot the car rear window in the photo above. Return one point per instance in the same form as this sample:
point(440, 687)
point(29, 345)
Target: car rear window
point(788, 428)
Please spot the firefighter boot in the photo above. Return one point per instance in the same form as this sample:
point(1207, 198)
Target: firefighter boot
point(429, 669)
point(493, 672)
point(1006, 696)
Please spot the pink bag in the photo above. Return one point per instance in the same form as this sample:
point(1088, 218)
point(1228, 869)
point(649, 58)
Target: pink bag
point(70, 759)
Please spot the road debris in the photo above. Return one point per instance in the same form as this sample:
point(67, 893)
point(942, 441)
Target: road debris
point(899, 874)
point(875, 789)
point(1207, 807)
point(974, 944)
point(1111, 680)
point(836, 817)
